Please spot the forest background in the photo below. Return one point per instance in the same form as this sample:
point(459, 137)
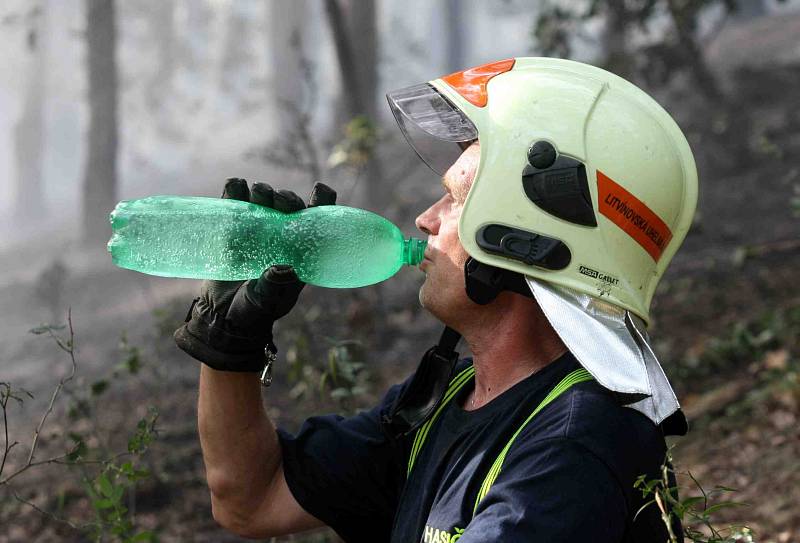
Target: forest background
point(103, 100)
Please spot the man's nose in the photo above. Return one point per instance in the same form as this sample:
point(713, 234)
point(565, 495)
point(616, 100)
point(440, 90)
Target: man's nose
point(426, 222)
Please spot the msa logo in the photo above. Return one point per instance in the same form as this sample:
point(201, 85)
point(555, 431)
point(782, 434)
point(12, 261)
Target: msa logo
point(594, 274)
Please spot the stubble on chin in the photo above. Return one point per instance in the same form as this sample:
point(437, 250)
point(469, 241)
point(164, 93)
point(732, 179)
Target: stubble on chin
point(440, 302)
point(425, 294)
point(425, 298)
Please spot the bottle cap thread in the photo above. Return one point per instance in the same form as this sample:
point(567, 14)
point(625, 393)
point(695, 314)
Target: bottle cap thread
point(413, 251)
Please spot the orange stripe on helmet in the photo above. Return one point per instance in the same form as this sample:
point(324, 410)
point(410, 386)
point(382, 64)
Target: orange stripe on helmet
point(633, 216)
point(471, 83)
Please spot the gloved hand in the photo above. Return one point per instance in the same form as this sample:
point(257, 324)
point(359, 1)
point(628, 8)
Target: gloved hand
point(229, 326)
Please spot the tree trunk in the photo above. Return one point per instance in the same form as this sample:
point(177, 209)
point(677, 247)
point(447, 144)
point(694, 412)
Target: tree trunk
point(749, 9)
point(100, 174)
point(684, 19)
point(233, 61)
point(286, 24)
point(293, 89)
point(454, 34)
point(615, 38)
point(29, 130)
point(161, 19)
point(353, 26)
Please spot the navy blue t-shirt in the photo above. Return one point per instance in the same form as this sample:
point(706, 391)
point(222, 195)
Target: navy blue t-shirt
point(568, 477)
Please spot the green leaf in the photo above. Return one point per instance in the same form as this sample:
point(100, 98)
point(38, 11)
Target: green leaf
point(323, 382)
point(103, 503)
point(98, 387)
point(714, 508)
point(688, 502)
point(725, 488)
point(133, 362)
point(79, 449)
point(339, 393)
point(106, 488)
point(45, 328)
point(642, 508)
point(117, 493)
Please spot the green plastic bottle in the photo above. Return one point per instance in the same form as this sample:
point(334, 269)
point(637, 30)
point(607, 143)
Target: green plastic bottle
point(215, 238)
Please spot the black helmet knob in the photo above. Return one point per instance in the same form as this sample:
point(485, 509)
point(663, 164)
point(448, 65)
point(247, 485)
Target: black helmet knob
point(541, 155)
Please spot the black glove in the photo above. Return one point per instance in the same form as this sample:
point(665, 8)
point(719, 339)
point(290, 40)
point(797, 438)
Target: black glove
point(229, 326)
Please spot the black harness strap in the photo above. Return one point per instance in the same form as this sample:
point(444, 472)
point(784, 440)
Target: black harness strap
point(418, 401)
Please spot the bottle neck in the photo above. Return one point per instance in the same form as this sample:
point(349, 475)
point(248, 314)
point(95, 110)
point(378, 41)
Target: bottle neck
point(413, 251)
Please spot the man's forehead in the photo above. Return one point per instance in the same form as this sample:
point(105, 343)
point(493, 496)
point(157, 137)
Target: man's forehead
point(459, 177)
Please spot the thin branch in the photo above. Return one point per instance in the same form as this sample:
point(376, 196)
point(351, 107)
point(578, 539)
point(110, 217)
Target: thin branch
point(28, 465)
point(3, 404)
point(71, 351)
point(68, 347)
point(47, 514)
point(57, 460)
point(60, 460)
point(665, 513)
point(296, 150)
point(6, 453)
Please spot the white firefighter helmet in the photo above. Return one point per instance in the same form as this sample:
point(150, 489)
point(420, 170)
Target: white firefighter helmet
point(584, 181)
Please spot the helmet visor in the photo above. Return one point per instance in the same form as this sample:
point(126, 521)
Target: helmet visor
point(436, 130)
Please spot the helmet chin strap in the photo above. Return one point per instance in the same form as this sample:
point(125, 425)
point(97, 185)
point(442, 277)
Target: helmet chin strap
point(484, 282)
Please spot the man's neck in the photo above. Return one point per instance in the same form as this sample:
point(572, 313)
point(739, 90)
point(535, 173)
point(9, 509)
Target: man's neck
point(510, 342)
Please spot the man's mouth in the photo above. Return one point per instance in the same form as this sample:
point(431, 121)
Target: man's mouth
point(427, 258)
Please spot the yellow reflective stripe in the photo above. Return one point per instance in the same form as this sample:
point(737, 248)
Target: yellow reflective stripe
point(422, 433)
point(454, 386)
point(575, 377)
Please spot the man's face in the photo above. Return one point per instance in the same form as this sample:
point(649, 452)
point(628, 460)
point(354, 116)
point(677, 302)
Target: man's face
point(443, 292)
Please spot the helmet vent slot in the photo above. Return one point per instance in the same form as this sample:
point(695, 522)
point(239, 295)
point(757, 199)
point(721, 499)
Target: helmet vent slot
point(561, 190)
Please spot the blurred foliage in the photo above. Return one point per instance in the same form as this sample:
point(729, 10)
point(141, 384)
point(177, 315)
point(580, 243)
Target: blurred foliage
point(696, 513)
point(168, 317)
point(660, 46)
point(344, 380)
point(743, 343)
point(108, 488)
point(357, 146)
point(663, 55)
point(107, 478)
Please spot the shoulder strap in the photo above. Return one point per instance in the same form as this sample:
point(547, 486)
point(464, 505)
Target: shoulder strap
point(428, 386)
point(455, 385)
point(575, 377)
